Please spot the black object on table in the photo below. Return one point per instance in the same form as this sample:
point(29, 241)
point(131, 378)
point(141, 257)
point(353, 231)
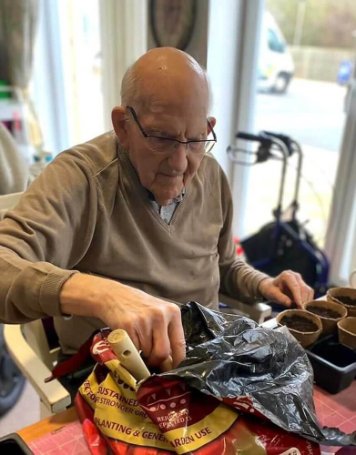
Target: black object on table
point(333, 363)
point(12, 444)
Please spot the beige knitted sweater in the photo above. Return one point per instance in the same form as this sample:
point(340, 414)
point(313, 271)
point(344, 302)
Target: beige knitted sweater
point(88, 212)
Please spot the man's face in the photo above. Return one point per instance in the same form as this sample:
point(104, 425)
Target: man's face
point(165, 172)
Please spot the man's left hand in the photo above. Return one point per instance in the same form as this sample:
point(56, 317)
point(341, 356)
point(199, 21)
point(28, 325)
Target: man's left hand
point(287, 288)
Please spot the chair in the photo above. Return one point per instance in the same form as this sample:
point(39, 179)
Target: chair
point(14, 170)
point(29, 348)
point(7, 202)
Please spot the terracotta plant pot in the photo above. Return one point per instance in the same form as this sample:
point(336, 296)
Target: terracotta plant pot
point(345, 296)
point(303, 325)
point(329, 313)
point(347, 332)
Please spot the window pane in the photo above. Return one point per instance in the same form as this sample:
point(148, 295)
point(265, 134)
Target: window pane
point(303, 95)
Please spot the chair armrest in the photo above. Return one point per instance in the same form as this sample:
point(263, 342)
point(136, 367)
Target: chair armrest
point(53, 395)
point(7, 202)
point(256, 311)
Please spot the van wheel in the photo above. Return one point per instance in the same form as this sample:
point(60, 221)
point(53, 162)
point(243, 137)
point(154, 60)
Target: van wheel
point(281, 83)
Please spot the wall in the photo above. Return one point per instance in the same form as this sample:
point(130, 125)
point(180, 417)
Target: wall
point(198, 44)
point(318, 63)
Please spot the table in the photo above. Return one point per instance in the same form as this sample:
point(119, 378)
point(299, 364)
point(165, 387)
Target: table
point(60, 434)
point(48, 425)
point(337, 410)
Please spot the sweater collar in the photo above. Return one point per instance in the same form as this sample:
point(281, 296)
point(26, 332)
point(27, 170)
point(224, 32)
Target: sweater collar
point(177, 199)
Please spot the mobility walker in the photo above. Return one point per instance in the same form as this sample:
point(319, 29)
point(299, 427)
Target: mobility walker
point(283, 243)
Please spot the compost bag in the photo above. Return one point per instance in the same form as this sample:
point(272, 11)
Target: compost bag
point(242, 389)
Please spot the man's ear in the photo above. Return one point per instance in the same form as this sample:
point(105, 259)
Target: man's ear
point(212, 123)
point(119, 122)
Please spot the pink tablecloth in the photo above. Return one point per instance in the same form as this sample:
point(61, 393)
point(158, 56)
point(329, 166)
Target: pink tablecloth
point(337, 410)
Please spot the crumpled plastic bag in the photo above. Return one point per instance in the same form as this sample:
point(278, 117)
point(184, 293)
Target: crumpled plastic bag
point(232, 357)
point(242, 389)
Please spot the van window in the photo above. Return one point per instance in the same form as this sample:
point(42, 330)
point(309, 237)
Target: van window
point(275, 44)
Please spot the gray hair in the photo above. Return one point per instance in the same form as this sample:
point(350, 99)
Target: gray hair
point(130, 87)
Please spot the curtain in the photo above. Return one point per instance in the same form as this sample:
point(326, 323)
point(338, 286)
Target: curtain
point(18, 26)
point(123, 27)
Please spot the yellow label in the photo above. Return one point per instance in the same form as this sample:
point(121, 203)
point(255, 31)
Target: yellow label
point(89, 389)
point(208, 429)
point(119, 416)
point(120, 374)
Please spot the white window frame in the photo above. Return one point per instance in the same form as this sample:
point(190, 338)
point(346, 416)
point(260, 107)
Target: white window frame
point(341, 232)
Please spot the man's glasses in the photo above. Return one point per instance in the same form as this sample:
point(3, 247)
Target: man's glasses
point(162, 144)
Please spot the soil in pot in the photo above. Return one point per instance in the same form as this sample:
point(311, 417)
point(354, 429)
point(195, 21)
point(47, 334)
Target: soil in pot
point(299, 323)
point(346, 300)
point(324, 312)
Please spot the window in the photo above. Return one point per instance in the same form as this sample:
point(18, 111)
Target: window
point(67, 78)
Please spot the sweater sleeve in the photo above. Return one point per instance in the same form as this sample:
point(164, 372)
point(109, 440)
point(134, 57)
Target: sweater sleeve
point(237, 278)
point(44, 237)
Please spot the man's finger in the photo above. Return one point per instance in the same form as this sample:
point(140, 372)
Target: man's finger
point(167, 364)
point(161, 346)
point(177, 340)
point(291, 283)
point(145, 339)
point(134, 339)
point(167, 331)
point(306, 292)
point(279, 296)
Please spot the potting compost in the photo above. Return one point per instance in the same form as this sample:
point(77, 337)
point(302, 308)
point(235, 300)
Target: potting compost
point(242, 389)
point(299, 323)
point(324, 312)
point(346, 300)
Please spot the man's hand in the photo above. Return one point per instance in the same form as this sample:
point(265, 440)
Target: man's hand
point(286, 288)
point(154, 325)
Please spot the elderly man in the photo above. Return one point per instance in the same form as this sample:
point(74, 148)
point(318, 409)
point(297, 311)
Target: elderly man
point(116, 229)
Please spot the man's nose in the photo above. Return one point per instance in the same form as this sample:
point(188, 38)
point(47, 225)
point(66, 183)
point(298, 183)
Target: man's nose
point(178, 158)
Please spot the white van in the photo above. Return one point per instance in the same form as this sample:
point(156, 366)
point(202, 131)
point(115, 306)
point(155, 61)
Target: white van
point(275, 64)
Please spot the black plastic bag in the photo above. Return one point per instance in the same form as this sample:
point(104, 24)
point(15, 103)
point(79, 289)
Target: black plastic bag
point(231, 357)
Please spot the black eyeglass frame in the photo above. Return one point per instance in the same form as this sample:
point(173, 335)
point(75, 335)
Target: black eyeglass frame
point(212, 141)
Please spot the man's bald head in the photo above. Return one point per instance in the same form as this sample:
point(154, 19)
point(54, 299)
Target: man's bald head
point(164, 72)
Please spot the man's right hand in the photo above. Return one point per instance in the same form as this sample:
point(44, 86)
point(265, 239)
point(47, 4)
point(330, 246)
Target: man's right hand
point(154, 325)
